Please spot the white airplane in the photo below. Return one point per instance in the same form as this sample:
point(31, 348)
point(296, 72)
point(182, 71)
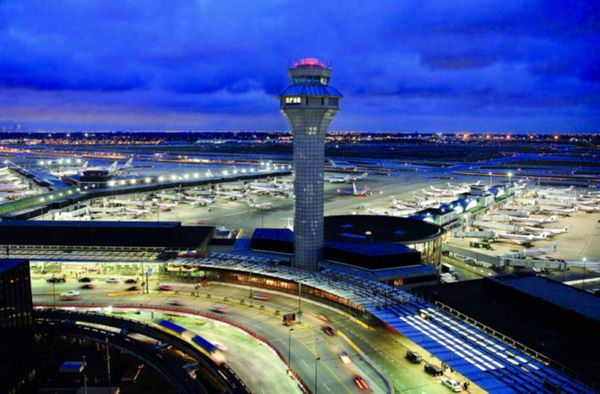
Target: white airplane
point(8, 188)
point(168, 196)
point(199, 200)
point(397, 204)
point(559, 211)
point(260, 205)
point(355, 178)
point(166, 206)
point(589, 208)
point(134, 203)
point(269, 188)
point(440, 192)
point(459, 189)
point(112, 169)
point(231, 195)
point(534, 221)
point(550, 231)
point(137, 212)
point(519, 239)
point(337, 179)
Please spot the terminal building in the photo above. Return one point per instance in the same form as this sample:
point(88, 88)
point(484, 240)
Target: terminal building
point(394, 250)
point(40, 239)
point(545, 318)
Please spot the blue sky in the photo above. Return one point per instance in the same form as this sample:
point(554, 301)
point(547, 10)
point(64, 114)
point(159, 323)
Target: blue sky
point(517, 66)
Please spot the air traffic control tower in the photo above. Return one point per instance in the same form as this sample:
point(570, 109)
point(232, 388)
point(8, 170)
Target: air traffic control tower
point(309, 104)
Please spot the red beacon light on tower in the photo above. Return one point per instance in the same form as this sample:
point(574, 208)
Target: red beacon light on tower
point(309, 62)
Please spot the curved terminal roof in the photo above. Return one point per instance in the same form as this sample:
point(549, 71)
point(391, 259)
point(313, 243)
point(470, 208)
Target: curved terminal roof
point(378, 229)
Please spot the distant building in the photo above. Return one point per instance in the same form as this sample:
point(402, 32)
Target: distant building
point(16, 326)
point(309, 105)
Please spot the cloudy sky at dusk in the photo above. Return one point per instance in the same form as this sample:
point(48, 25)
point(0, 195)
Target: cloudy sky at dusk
point(494, 65)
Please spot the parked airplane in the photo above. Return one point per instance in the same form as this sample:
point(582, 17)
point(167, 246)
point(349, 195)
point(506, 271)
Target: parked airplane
point(270, 188)
point(589, 208)
point(549, 231)
point(519, 239)
point(200, 200)
point(137, 212)
point(534, 221)
point(231, 195)
point(114, 168)
point(364, 192)
point(260, 205)
point(165, 206)
point(559, 211)
point(337, 178)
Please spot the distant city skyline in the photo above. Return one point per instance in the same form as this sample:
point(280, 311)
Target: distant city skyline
point(436, 66)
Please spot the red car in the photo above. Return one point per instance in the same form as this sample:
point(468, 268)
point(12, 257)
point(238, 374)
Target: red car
point(329, 330)
point(360, 383)
point(89, 286)
point(165, 288)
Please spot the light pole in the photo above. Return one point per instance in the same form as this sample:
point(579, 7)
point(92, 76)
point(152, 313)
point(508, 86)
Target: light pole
point(316, 373)
point(584, 271)
point(510, 174)
point(251, 289)
point(108, 365)
point(490, 174)
point(290, 349)
point(54, 291)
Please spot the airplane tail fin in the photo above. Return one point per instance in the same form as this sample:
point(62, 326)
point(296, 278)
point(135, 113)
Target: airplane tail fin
point(354, 188)
point(332, 163)
point(113, 166)
point(128, 163)
point(85, 164)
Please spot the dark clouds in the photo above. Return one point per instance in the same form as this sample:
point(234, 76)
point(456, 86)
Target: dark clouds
point(402, 65)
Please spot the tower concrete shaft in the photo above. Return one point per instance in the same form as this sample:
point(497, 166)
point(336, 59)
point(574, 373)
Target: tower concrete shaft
point(309, 106)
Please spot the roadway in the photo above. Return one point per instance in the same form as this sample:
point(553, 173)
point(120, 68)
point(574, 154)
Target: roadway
point(308, 341)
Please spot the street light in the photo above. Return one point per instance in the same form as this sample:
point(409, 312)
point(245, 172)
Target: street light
point(490, 174)
point(316, 373)
point(290, 349)
point(584, 271)
point(510, 174)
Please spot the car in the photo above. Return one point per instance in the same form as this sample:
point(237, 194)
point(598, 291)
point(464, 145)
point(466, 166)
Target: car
point(134, 288)
point(345, 357)
point(452, 385)
point(131, 281)
point(112, 280)
point(220, 309)
point(176, 302)
point(329, 330)
point(261, 296)
point(433, 370)
point(221, 347)
point(88, 286)
point(360, 382)
point(85, 279)
point(413, 357)
point(165, 288)
point(70, 295)
point(56, 280)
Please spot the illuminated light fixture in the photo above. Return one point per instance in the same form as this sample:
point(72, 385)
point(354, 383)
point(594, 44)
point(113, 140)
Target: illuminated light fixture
point(186, 176)
point(148, 180)
point(132, 181)
point(161, 178)
point(173, 177)
point(123, 182)
point(196, 175)
point(111, 183)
